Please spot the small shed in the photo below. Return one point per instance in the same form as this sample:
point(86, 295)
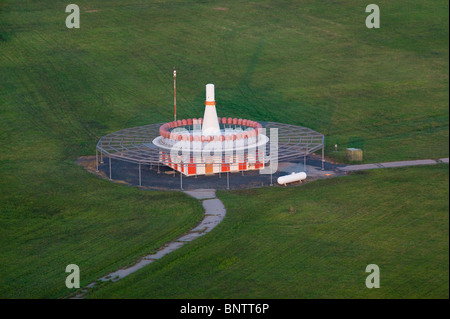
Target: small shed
point(354, 154)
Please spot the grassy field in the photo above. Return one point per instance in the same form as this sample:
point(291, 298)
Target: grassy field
point(300, 62)
point(72, 218)
point(315, 241)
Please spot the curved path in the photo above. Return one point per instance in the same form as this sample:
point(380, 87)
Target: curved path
point(214, 214)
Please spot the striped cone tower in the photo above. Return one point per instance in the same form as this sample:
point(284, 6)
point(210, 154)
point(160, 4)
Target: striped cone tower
point(210, 121)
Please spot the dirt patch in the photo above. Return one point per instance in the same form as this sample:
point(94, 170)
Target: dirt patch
point(90, 11)
point(220, 8)
point(89, 164)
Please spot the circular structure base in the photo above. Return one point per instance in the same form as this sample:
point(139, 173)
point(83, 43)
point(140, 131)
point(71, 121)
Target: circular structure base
point(131, 156)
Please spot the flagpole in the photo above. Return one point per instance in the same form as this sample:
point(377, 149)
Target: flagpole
point(174, 94)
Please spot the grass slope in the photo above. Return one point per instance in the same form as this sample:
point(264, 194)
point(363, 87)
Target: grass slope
point(300, 62)
point(71, 218)
point(315, 241)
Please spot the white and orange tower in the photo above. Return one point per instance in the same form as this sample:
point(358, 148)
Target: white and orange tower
point(210, 125)
point(208, 145)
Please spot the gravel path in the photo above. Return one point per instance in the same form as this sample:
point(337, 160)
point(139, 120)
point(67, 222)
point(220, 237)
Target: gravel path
point(214, 214)
point(352, 168)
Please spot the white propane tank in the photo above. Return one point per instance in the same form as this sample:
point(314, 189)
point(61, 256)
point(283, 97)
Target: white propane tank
point(294, 177)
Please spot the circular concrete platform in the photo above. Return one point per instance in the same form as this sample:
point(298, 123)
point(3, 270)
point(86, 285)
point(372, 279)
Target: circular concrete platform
point(160, 177)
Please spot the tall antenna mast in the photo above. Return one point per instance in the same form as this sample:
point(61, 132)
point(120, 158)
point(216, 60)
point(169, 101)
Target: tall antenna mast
point(174, 94)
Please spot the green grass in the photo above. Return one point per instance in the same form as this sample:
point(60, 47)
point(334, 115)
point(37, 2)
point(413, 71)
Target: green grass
point(70, 217)
point(315, 241)
point(301, 62)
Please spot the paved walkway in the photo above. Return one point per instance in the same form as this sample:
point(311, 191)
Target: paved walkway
point(352, 168)
point(214, 214)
